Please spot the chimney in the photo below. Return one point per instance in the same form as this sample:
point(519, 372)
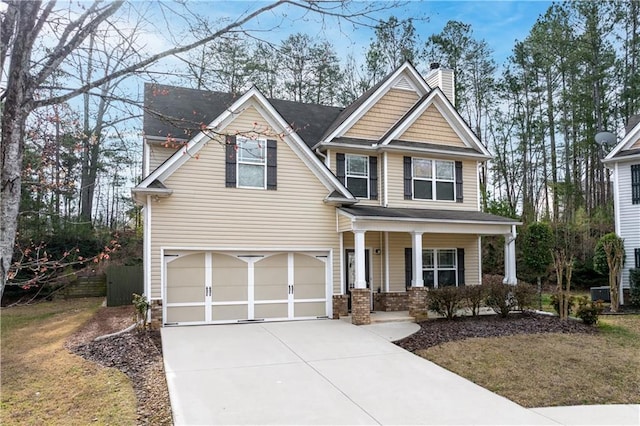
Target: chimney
point(444, 79)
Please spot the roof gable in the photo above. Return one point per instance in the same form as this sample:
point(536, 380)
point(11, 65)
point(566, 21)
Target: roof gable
point(449, 119)
point(627, 146)
point(222, 125)
point(405, 77)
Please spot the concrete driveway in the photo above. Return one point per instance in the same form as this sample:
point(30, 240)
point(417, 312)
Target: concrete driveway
point(317, 372)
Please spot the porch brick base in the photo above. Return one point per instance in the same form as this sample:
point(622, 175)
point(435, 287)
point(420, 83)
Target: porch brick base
point(388, 302)
point(361, 306)
point(340, 306)
point(418, 303)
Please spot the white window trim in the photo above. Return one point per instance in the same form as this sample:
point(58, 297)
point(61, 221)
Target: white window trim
point(436, 268)
point(347, 175)
point(433, 180)
point(263, 142)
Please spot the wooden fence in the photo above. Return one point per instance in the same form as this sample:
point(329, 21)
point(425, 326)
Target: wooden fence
point(122, 282)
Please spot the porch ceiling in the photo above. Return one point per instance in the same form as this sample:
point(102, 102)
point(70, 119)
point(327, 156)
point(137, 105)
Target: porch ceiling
point(377, 218)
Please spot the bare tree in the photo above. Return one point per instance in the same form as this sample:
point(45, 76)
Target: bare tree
point(27, 67)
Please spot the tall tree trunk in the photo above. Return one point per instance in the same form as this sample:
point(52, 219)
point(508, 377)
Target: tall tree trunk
point(16, 108)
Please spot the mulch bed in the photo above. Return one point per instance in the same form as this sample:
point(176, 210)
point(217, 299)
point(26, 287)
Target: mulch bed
point(138, 354)
point(438, 331)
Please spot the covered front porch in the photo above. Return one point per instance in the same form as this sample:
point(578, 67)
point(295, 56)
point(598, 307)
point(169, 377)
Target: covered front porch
point(390, 257)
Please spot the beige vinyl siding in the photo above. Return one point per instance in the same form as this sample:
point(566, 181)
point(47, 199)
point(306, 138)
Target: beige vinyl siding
point(396, 186)
point(383, 115)
point(158, 153)
point(202, 212)
point(432, 127)
point(344, 222)
point(334, 167)
point(636, 145)
point(398, 241)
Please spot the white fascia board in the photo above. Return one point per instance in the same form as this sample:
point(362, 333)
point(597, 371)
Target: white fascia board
point(411, 219)
point(431, 227)
point(414, 77)
point(626, 158)
point(626, 142)
point(443, 151)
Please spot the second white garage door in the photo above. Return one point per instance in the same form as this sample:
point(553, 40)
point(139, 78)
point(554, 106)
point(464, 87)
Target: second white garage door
point(215, 287)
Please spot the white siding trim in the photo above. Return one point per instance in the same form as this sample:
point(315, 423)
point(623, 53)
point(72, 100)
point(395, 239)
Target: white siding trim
point(616, 198)
point(147, 249)
point(479, 259)
point(385, 180)
point(386, 262)
point(250, 289)
point(342, 271)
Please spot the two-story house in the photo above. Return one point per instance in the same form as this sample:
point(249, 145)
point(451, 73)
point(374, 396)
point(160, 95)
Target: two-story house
point(624, 161)
point(262, 209)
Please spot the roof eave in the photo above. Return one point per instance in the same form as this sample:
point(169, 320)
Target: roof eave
point(140, 194)
point(478, 156)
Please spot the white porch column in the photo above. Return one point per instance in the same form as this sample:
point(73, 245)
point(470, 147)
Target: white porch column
point(360, 263)
point(510, 257)
point(417, 280)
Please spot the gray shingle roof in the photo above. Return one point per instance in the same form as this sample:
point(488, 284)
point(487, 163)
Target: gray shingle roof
point(426, 214)
point(180, 112)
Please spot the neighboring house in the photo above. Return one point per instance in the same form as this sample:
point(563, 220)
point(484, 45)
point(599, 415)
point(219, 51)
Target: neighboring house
point(261, 209)
point(624, 160)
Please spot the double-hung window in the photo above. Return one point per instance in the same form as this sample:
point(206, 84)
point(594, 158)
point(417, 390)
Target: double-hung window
point(635, 184)
point(433, 179)
point(252, 165)
point(357, 175)
point(439, 267)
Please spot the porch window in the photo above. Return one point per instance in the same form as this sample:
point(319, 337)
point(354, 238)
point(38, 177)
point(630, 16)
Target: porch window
point(357, 175)
point(252, 166)
point(439, 267)
point(433, 179)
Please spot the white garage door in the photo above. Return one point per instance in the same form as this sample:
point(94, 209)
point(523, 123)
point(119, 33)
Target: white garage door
point(213, 287)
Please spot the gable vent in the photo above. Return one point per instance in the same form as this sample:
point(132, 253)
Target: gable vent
point(404, 84)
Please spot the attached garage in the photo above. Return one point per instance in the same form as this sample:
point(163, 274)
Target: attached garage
point(221, 287)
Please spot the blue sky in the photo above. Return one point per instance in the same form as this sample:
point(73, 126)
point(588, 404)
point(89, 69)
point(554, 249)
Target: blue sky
point(500, 23)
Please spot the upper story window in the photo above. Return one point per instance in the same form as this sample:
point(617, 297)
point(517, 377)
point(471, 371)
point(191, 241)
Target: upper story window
point(251, 163)
point(433, 179)
point(359, 173)
point(635, 184)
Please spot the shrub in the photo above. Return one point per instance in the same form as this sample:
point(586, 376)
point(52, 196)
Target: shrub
point(501, 298)
point(555, 301)
point(445, 300)
point(588, 311)
point(634, 280)
point(141, 306)
point(525, 295)
point(474, 296)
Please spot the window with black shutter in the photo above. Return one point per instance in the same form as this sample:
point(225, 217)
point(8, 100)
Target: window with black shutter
point(251, 163)
point(359, 173)
point(635, 184)
point(637, 253)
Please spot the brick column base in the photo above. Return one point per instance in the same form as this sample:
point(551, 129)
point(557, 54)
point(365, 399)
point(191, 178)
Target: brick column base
point(340, 306)
point(418, 303)
point(156, 314)
point(360, 306)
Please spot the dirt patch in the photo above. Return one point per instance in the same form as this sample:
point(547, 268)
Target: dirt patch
point(138, 354)
point(438, 331)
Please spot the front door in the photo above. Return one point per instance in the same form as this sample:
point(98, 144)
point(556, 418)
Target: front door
point(350, 267)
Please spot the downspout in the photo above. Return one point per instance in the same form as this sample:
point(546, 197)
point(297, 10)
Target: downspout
point(324, 157)
point(147, 250)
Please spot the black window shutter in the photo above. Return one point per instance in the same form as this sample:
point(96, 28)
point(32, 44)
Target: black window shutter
point(461, 281)
point(635, 184)
point(637, 253)
point(458, 181)
point(373, 178)
point(408, 190)
point(340, 168)
point(272, 161)
point(408, 266)
point(230, 162)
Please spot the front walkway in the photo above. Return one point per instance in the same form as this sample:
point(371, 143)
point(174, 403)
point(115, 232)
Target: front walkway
point(318, 372)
